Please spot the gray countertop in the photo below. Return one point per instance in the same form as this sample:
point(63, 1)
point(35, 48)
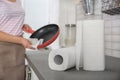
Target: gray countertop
point(38, 60)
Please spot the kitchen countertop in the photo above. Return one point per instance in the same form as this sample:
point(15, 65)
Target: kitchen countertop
point(38, 60)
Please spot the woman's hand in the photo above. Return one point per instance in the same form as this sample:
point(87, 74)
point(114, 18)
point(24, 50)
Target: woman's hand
point(5, 37)
point(27, 28)
point(26, 43)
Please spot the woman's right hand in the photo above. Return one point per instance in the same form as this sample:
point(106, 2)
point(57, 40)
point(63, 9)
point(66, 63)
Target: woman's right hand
point(26, 43)
point(5, 37)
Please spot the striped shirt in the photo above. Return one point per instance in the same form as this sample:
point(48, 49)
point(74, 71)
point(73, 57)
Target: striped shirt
point(11, 17)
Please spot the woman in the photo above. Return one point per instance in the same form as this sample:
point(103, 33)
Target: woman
point(12, 44)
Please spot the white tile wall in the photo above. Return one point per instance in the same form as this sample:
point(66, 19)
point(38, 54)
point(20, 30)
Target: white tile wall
point(116, 53)
point(112, 28)
point(116, 46)
point(115, 22)
point(115, 38)
point(108, 31)
point(108, 38)
point(108, 45)
point(108, 24)
point(116, 31)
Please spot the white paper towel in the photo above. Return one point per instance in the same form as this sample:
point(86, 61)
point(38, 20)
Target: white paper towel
point(93, 45)
point(36, 42)
point(62, 59)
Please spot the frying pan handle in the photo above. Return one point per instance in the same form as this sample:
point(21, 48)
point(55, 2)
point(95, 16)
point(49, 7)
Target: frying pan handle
point(30, 31)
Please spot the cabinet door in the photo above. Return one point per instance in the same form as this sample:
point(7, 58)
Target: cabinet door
point(33, 75)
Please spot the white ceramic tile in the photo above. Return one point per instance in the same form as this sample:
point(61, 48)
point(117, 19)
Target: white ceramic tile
point(97, 11)
point(97, 4)
point(116, 30)
point(108, 52)
point(80, 18)
point(115, 17)
point(108, 38)
point(107, 17)
point(116, 22)
point(108, 45)
point(116, 38)
point(107, 23)
point(108, 30)
point(116, 46)
point(116, 53)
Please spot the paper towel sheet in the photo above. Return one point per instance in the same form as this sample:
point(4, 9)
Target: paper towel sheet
point(62, 59)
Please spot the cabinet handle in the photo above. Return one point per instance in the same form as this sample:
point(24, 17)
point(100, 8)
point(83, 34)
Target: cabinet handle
point(28, 73)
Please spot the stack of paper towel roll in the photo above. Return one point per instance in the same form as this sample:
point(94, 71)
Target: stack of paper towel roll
point(89, 47)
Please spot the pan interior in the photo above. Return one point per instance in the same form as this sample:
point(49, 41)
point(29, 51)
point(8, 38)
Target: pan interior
point(45, 33)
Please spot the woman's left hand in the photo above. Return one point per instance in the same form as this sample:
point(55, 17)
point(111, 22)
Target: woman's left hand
point(27, 28)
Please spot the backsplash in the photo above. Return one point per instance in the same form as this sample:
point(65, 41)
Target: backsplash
point(97, 11)
point(112, 35)
point(112, 27)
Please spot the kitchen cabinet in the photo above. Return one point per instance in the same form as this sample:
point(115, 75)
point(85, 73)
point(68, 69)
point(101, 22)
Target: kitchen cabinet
point(30, 70)
point(30, 74)
point(33, 75)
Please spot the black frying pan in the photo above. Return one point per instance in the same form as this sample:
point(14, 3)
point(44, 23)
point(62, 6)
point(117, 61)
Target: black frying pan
point(48, 33)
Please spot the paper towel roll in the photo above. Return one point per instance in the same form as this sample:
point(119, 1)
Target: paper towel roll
point(62, 59)
point(93, 45)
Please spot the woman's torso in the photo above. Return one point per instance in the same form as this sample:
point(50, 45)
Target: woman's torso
point(11, 17)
